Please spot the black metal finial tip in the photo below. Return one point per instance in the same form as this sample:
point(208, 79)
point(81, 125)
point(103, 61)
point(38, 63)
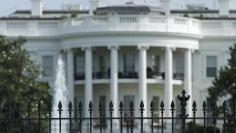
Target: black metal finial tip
point(60, 105)
point(121, 104)
point(131, 105)
point(172, 105)
point(111, 105)
point(141, 105)
point(70, 105)
point(90, 104)
point(162, 104)
point(194, 104)
point(204, 105)
point(80, 105)
point(152, 105)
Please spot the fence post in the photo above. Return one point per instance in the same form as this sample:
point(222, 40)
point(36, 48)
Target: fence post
point(172, 115)
point(50, 115)
point(60, 110)
point(80, 116)
point(8, 116)
point(70, 113)
point(234, 114)
point(100, 116)
point(162, 116)
point(132, 115)
point(224, 112)
point(141, 111)
point(152, 110)
point(90, 116)
point(183, 99)
point(111, 111)
point(18, 116)
point(194, 115)
point(121, 116)
point(204, 115)
point(214, 115)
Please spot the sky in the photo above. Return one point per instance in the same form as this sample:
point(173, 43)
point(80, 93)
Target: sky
point(8, 6)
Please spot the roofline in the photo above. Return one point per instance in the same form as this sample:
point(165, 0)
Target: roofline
point(52, 11)
point(30, 18)
point(199, 11)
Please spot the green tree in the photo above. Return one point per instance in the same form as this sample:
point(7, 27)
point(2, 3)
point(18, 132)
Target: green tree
point(18, 79)
point(224, 83)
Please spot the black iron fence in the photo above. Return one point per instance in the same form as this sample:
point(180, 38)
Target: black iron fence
point(72, 119)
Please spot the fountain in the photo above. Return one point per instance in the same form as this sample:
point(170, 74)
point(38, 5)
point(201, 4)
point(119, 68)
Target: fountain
point(60, 93)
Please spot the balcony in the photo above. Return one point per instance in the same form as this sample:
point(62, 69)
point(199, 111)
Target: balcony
point(129, 75)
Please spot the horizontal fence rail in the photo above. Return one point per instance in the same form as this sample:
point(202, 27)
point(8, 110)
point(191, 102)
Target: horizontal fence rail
point(38, 119)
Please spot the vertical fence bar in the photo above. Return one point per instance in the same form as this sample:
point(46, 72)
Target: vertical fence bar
point(204, 115)
point(111, 111)
point(29, 116)
point(49, 116)
point(75, 109)
point(90, 116)
point(121, 116)
point(18, 116)
point(224, 112)
point(127, 122)
point(194, 116)
point(132, 115)
point(214, 116)
point(172, 115)
point(70, 114)
point(60, 111)
point(141, 113)
point(8, 117)
point(183, 99)
point(162, 114)
point(100, 116)
point(80, 116)
point(39, 116)
point(152, 109)
point(234, 115)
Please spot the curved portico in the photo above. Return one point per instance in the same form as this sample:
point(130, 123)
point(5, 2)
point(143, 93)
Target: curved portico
point(141, 50)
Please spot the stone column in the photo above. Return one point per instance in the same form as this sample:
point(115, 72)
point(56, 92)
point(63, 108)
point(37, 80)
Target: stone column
point(168, 80)
point(114, 94)
point(188, 79)
point(88, 96)
point(143, 77)
point(70, 74)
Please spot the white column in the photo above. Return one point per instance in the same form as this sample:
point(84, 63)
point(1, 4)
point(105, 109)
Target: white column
point(143, 77)
point(188, 79)
point(70, 74)
point(168, 80)
point(88, 80)
point(114, 94)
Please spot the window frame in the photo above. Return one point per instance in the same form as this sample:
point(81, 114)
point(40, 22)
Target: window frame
point(42, 66)
point(206, 66)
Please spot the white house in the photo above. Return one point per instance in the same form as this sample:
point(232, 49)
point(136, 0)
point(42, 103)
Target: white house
point(128, 52)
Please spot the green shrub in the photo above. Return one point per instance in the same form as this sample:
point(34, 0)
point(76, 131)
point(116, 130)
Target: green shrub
point(200, 128)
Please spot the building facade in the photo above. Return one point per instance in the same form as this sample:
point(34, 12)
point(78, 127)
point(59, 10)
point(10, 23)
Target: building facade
point(128, 52)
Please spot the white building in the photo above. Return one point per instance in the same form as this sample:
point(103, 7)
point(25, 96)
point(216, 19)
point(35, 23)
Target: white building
point(128, 52)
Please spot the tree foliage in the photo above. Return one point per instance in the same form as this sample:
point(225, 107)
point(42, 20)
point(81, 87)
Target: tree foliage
point(18, 77)
point(224, 84)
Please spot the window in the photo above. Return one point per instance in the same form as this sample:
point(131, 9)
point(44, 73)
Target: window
point(179, 67)
point(79, 64)
point(156, 64)
point(101, 61)
point(47, 66)
point(211, 66)
point(127, 100)
point(129, 63)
